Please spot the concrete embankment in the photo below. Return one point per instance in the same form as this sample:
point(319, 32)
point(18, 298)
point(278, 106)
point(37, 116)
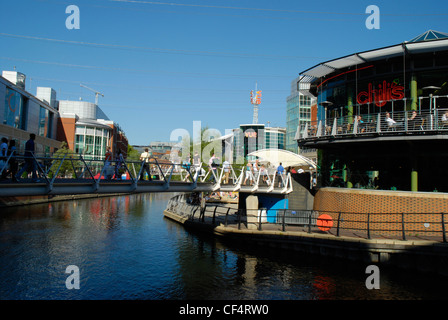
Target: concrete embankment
point(28, 200)
point(419, 255)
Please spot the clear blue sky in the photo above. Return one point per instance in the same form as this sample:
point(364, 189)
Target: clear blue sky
point(162, 65)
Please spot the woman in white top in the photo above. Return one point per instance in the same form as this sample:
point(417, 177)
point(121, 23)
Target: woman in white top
point(249, 174)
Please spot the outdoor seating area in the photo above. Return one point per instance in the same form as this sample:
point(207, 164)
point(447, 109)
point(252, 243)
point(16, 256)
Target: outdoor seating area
point(411, 122)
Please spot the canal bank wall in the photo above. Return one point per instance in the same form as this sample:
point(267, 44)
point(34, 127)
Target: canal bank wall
point(419, 255)
point(29, 200)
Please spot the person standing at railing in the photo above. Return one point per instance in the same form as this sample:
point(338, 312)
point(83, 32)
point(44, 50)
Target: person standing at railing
point(264, 174)
point(108, 170)
point(249, 174)
point(144, 157)
point(186, 164)
point(13, 165)
point(256, 170)
point(118, 163)
point(30, 163)
point(196, 161)
point(3, 157)
point(280, 172)
point(226, 168)
point(213, 168)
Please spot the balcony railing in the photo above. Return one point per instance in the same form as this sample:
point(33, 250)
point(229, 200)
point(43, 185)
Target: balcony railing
point(376, 123)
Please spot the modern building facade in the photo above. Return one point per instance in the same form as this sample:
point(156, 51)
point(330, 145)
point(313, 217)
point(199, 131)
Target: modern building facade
point(252, 137)
point(298, 111)
point(88, 131)
point(22, 113)
point(380, 119)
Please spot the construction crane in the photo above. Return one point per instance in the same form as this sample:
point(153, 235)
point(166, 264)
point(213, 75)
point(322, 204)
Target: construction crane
point(96, 93)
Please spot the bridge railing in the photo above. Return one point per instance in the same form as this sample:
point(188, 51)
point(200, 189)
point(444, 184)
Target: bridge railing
point(237, 177)
point(69, 166)
point(394, 123)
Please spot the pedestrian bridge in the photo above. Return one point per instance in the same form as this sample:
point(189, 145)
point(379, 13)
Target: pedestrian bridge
point(72, 174)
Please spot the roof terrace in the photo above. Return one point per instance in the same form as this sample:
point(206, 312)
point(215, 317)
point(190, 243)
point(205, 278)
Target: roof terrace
point(419, 123)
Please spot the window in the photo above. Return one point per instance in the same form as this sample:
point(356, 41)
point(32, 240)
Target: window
point(43, 122)
point(15, 109)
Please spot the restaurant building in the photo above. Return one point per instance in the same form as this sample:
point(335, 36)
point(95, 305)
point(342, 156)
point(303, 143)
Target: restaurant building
point(382, 117)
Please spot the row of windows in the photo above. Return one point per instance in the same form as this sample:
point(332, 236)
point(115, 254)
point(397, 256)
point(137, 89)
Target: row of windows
point(17, 110)
point(15, 113)
point(91, 142)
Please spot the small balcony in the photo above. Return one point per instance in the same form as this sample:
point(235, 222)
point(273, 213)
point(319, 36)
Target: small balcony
point(375, 124)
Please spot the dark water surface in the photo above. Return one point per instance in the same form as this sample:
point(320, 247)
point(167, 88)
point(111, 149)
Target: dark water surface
point(125, 250)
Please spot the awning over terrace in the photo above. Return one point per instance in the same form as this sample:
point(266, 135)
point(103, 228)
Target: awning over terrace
point(286, 158)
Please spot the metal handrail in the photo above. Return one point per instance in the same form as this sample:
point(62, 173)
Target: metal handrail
point(99, 171)
point(349, 224)
point(376, 123)
point(364, 226)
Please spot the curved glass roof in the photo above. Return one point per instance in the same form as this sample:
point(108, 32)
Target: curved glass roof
point(430, 35)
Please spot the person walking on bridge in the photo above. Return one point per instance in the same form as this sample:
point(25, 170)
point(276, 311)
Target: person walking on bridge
point(30, 163)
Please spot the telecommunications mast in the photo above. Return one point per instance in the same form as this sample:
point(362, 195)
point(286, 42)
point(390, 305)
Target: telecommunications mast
point(255, 100)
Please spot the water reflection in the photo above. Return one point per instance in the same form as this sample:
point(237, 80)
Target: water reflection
point(125, 249)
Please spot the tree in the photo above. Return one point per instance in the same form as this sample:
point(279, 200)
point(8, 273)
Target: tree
point(71, 161)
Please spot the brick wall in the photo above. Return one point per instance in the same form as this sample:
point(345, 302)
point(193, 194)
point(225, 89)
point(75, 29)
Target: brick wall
point(421, 211)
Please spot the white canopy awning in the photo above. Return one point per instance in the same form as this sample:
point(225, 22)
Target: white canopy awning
point(286, 158)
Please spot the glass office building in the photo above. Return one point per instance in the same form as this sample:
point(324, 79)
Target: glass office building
point(252, 137)
point(22, 113)
point(298, 111)
point(382, 118)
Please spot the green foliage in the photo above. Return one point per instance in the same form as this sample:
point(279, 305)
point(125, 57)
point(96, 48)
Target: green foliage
point(70, 162)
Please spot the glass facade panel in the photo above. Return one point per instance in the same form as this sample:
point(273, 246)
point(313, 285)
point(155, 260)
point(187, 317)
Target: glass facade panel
point(91, 145)
point(43, 122)
point(15, 110)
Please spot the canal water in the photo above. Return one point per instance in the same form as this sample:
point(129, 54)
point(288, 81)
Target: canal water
point(124, 249)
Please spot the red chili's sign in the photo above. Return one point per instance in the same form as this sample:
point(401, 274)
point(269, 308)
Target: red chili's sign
point(381, 95)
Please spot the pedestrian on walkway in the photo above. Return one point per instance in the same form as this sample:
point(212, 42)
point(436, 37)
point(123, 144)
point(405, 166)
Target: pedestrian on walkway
point(13, 165)
point(3, 157)
point(108, 170)
point(144, 157)
point(118, 164)
point(280, 171)
point(249, 174)
point(213, 167)
point(30, 162)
